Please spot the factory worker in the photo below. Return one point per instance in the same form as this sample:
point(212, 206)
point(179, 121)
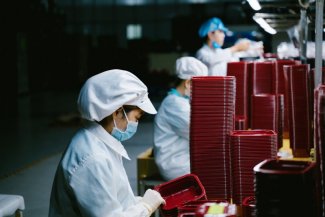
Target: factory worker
point(90, 180)
point(171, 125)
point(211, 53)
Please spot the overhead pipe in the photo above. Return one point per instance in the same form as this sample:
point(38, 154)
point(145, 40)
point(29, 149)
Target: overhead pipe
point(319, 42)
point(303, 34)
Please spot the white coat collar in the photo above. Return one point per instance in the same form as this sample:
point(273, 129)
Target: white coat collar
point(109, 140)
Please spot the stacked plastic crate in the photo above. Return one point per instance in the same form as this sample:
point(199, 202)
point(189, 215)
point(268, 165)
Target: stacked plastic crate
point(240, 70)
point(248, 148)
point(212, 119)
point(298, 102)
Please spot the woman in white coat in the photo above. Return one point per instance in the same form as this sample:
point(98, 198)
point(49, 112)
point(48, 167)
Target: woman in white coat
point(211, 53)
point(172, 122)
point(90, 180)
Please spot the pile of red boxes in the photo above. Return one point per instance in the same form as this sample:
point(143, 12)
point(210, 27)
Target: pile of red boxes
point(287, 188)
point(268, 113)
point(248, 148)
point(298, 84)
point(212, 119)
point(319, 137)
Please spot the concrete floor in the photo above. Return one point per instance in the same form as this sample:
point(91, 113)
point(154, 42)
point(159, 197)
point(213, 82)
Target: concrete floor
point(33, 143)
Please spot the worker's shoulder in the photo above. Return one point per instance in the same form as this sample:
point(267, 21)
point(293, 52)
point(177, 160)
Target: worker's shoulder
point(172, 100)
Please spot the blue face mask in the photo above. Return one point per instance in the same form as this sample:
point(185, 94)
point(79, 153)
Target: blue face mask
point(215, 45)
point(130, 130)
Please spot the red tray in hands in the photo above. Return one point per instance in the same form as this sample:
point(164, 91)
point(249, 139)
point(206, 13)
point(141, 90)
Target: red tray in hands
point(179, 191)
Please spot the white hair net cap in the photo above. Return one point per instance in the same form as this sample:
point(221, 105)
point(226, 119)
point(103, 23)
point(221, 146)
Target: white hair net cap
point(104, 93)
point(187, 67)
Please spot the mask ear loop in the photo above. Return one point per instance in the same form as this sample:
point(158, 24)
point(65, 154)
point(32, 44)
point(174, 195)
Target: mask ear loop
point(125, 117)
point(114, 123)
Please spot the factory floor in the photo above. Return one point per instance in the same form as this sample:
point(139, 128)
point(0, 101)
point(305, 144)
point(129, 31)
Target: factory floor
point(32, 144)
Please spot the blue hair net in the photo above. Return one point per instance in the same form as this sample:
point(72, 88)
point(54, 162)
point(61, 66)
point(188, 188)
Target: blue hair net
point(211, 25)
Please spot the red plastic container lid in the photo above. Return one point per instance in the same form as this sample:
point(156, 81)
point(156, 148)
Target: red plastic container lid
point(276, 166)
point(249, 201)
point(190, 214)
point(181, 190)
point(211, 78)
point(252, 132)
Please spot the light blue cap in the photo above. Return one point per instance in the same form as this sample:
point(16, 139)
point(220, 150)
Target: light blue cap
point(211, 25)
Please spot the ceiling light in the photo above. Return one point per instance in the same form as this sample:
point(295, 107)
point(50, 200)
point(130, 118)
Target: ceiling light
point(264, 25)
point(254, 4)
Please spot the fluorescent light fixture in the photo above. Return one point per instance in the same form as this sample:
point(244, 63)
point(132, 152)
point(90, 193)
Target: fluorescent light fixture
point(254, 4)
point(264, 25)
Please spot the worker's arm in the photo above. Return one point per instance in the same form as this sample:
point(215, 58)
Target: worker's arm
point(240, 46)
point(95, 187)
point(178, 113)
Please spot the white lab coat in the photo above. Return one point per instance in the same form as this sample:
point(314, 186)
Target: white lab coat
point(216, 59)
point(171, 137)
point(91, 181)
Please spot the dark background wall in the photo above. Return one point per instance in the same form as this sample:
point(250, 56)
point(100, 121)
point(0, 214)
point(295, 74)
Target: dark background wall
point(52, 45)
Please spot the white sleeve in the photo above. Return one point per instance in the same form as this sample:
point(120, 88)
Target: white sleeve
point(94, 190)
point(214, 56)
point(178, 114)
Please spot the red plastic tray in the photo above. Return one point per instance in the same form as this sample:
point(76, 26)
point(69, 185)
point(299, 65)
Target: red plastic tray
point(179, 191)
point(248, 206)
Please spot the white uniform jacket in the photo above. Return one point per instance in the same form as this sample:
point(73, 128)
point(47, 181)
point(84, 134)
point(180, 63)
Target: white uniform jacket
point(216, 59)
point(91, 181)
point(171, 137)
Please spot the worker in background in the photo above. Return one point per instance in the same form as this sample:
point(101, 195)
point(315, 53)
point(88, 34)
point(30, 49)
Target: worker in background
point(90, 180)
point(211, 53)
point(172, 122)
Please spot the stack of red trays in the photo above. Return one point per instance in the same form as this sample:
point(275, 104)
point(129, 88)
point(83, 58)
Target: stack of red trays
point(240, 122)
point(240, 71)
point(298, 97)
point(212, 119)
point(249, 147)
point(267, 113)
point(262, 78)
point(286, 188)
point(279, 87)
point(319, 138)
point(311, 85)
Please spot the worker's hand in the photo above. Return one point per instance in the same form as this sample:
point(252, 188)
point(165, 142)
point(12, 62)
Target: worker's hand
point(152, 200)
point(241, 46)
